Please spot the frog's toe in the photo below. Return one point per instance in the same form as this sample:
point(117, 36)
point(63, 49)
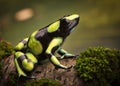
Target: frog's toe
point(70, 67)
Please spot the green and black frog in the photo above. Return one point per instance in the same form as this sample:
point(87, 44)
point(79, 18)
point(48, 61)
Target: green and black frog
point(43, 44)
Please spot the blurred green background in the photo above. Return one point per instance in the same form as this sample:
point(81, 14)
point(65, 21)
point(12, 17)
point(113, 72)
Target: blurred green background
point(99, 21)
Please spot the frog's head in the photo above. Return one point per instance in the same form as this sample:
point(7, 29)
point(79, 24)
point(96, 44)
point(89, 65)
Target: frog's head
point(64, 26)
point(68, 24)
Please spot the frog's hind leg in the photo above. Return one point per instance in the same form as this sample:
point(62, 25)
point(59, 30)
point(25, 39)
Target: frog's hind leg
point(24, 62)
point(19, 70)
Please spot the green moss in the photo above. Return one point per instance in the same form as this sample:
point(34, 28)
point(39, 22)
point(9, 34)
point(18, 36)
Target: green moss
point(5, 49)
point(43, 82)
point(99, 64)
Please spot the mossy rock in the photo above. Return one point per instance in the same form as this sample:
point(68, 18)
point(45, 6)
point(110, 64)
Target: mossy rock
point(99, 65)
point(6, 49)
point(43, 82)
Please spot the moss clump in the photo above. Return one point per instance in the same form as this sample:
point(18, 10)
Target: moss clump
point(99, 65)
point(43, 82)
point(5, 49)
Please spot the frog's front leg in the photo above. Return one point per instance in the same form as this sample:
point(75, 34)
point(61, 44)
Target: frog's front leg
point(50, 53)
point(56, 62)
point(65, 54)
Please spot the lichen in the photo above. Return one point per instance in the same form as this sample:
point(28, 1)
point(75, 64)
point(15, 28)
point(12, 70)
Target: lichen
point(99, 65)
point(43, 82)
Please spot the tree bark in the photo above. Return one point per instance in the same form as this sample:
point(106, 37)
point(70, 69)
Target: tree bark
point(47, 70)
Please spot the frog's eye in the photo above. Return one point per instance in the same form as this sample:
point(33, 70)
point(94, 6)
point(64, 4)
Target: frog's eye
point(64, 21)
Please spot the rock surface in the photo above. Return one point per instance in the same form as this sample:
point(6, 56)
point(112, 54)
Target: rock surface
point(47, 70)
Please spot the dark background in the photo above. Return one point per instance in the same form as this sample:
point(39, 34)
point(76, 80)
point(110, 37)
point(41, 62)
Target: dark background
point(99, 21)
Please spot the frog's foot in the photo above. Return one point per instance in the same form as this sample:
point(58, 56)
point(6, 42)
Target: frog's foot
point(67, 68)
point(67, 56)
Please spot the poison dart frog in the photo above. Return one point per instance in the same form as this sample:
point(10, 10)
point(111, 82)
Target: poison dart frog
point(43, 44)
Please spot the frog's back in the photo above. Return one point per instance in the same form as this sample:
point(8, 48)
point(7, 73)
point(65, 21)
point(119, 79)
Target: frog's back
point(39, 41)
